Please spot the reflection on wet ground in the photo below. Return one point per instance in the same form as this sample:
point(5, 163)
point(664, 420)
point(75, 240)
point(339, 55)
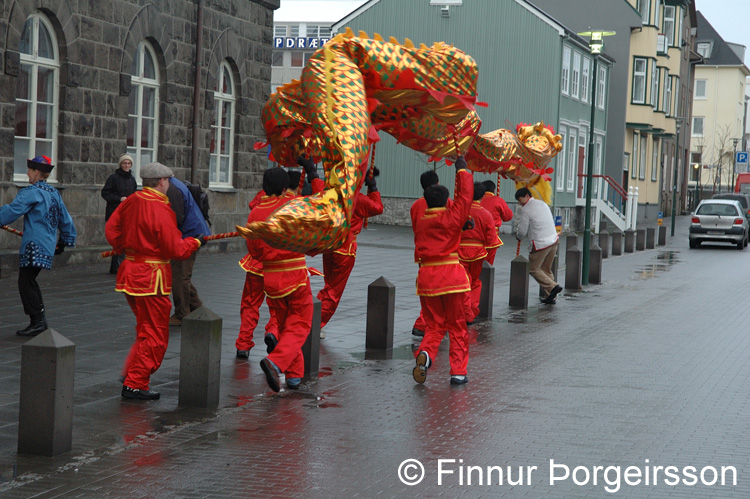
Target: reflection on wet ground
point(665, 261)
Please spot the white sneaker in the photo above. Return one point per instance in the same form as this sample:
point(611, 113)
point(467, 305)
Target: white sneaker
point(322, 334)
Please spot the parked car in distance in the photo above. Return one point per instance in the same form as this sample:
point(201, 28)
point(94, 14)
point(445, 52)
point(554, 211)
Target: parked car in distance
point(719, 220)
point(743, 198)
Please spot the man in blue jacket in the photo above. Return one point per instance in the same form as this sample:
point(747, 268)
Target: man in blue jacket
point(44, 214)
point(191, 223)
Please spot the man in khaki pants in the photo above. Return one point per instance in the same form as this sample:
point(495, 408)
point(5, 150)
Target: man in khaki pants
point(535, 222)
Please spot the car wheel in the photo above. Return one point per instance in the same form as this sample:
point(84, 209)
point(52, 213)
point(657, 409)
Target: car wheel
point(694, 244)
point(741, 245)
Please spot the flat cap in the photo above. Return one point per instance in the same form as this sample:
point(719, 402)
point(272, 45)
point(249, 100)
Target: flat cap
point(156, 170)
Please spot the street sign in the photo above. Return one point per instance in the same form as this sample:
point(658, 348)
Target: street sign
point(741, 161)
point(558, 224)
point(659, 218)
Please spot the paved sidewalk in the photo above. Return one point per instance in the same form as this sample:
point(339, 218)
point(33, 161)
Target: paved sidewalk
point(648, 369)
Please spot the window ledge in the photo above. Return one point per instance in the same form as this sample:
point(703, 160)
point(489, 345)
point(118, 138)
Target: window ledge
point(219, 188)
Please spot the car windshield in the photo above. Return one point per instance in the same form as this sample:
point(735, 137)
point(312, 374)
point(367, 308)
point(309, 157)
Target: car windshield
point(723, 210)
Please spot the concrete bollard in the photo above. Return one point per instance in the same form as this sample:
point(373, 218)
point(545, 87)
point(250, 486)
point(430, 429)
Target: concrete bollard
point(571, 240)
point(650, 236)
point(629, 241)
point(311, 348)
point(595, 264)
point(573, 264)
point(381, 305)
point(45, 415)
point(487, 296)
point(519, 282)
point(616, 243)
point(604, 243)
point(640, 239)
point(200, 359)
point(662, 235)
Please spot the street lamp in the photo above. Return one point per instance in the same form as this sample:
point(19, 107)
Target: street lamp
point(696, 167)
point(595, 46)
point(678, 125)
point(734, 162)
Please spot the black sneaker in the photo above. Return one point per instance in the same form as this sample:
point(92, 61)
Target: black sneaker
point(133, 393)
point(293, 383)
point(459, 380)
point(420, 372)
point(271, 342)
point(272, 374)
point(416, 332)
point(243, 354)
point(555, 291)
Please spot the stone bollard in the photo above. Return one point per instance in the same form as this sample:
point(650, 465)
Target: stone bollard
point(640, 239)
point(487, 296)
point(542, 294)
point(45, 414)
point(595, 264)
point(571, 240)
point(200, 359)
point(629, 241)
point(616, 243)
point(573, 264)
point(311, 348)
point(519, 282)
point(662, 235)
point(604, 243)
point(381, 305)
point(650, 236)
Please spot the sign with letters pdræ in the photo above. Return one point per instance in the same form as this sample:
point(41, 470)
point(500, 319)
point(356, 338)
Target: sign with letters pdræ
point(298, 42)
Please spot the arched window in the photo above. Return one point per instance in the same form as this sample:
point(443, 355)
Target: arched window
point(222, 129)
point(143, 108)
point(36, 96)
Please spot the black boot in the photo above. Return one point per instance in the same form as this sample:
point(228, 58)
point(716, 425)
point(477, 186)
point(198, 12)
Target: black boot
point(38, 325)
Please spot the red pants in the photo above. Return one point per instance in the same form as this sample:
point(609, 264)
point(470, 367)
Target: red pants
point(445, 312)
point(491, 255)
point(294, 313)
point(151, 339)
point(337, 268)
point(420, 322)
point(471, 303)
point(252, 299)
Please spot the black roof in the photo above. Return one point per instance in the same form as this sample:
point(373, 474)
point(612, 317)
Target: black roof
point(721, 53)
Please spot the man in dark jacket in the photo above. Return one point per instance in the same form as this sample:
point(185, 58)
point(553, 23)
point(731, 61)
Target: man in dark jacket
point(191, 223)
point(117, 188)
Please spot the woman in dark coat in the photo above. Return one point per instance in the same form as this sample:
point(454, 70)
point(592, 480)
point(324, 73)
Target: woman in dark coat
point(119, 186)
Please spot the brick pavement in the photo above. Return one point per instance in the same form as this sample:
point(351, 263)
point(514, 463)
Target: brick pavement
point(652, 364)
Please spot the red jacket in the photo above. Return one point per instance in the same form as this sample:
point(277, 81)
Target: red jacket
point(364, 207)
point(436, 239)
point(497, 207)
point(474, 242)
point(145, 228)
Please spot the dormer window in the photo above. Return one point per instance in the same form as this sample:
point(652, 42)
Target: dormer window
point(704, 49)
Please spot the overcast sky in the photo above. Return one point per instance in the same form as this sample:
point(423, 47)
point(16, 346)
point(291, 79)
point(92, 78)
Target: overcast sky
point(730, 19)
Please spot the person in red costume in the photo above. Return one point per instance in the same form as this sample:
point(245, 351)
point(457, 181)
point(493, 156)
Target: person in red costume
point(145, 229)
point(338, 264)
point(252, 293)
point(500, 212)
point(287, 289)
point(427, 179)
point(442, 281)
point(473, 248)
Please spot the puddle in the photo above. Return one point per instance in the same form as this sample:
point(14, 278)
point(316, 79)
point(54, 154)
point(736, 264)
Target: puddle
point(398, 353)
point(542, 314)
point(322, 402)
point(665, 260)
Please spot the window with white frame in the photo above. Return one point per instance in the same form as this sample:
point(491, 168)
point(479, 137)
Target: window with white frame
point(700, 89)
point(642, 159)
point(634, 169)
point(639, 81)
point(298, 59)
point(655, 72)
point(36, 96)
point(668, 28)
point(697, 128)
point(585, 79)
point(583, 141)
point(279, 30)
point(597, 164)
point(667, 106)
point(565, 83)
point(222, 129)
point(560, 173)
point(676, 99)
point(572, 162)
point(644, 7)
point(654, 160)
point(704, 49)
point(575, 79)
point(600, 93)
point(277, 59)
point(143, 108)
point(294, 30)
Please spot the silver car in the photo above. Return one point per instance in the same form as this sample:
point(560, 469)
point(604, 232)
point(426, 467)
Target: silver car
point(719, 220)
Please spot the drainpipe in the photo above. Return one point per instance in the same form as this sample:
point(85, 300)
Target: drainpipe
point(197, 91)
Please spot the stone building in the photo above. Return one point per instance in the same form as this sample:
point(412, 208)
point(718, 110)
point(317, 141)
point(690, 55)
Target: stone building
point(85, 81)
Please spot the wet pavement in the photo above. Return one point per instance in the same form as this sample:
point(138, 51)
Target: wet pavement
point(616, 383)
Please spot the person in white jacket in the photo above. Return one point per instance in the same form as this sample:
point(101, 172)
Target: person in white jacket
point(535, 222)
